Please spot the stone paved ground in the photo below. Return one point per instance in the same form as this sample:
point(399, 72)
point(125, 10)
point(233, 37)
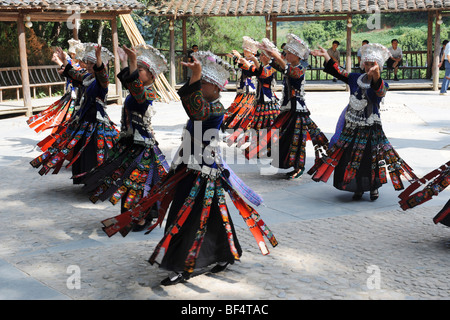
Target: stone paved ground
point(329, 246)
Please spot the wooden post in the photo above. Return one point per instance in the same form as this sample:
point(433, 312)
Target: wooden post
point(267, 18)
point(184, 47)
point(184, 37)
point(274, 32)
point(348, 56)
point(172, 53)
point(24, 66)
point(430, 44)
point(437, 46)
point(115, 43)
point(75, 29)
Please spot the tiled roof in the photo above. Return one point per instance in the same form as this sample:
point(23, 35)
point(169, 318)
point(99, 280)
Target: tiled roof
point(287, 7)
point(110, 5)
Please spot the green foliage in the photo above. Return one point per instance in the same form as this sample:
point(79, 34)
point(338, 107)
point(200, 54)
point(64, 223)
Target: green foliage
point(415, 39)
point(313, 33)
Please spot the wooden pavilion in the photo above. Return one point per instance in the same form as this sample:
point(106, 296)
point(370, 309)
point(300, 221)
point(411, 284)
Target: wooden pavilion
point(304, 10)
point(26, 11)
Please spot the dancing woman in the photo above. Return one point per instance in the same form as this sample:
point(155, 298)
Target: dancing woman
point(199, 230)
point(294, 123)
point(359, 150)
point(135, 163)
point(266, 106)
point(61, 110)
point(84, 141)
point(238, 113)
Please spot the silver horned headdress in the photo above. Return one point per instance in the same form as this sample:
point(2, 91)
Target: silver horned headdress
point(250, 44)
point(73, 45)
point(297, 46)
point(214, 69)
point(86, 53)
point(150, 58)
point(374, 52)
point(266, 43)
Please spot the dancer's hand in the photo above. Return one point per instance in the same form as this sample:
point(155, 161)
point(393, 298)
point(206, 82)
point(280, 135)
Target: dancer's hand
point(60, 55)
point(98, 55)
point(196, 68)
point(321, 52)
point(123, 57)
point(374, 73)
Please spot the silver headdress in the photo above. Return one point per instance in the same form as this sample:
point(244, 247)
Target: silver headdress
point(214, 69)
point(268, 44)
point(297, 46)
point(250, 44)
point(86, 53)
point(150, 58)
point(73, 44)
point(374, 52)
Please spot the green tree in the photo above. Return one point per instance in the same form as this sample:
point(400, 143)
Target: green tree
point(314, 34)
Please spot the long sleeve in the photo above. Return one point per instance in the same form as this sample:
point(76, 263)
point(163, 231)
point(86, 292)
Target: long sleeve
point(135, 86)
point(197, 108)
point(100, 74)
point(380, 87)
point(73, 74)
point(249, 69)
point(336, 71)
point(294, 72)
point(265, 71)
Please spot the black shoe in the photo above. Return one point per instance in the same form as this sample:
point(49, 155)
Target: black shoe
point(219, 267)
point(148, 220)
point(180, 277)
point(396, 79)
point(374, 195)
point(357, 195)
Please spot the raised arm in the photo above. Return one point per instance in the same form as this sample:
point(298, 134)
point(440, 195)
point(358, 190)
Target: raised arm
point(197, 108)
point(331, 67)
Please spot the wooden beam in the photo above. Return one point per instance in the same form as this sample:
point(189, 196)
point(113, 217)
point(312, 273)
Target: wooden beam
point(115, 44)
point(24, 66)
point(437, 46)
point(313, 18)
point(63, 16)
point(267, 19)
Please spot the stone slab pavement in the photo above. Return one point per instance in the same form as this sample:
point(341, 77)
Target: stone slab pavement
point(330, 247)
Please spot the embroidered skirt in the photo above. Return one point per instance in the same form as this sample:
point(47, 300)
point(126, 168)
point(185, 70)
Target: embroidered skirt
point(199, 230)
point(431, 185)
point(128, 174)
point(261, 115)
point(83, 144)
point(58, 113)
point(238, 111)
point(289, 133)
point(359, 159)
